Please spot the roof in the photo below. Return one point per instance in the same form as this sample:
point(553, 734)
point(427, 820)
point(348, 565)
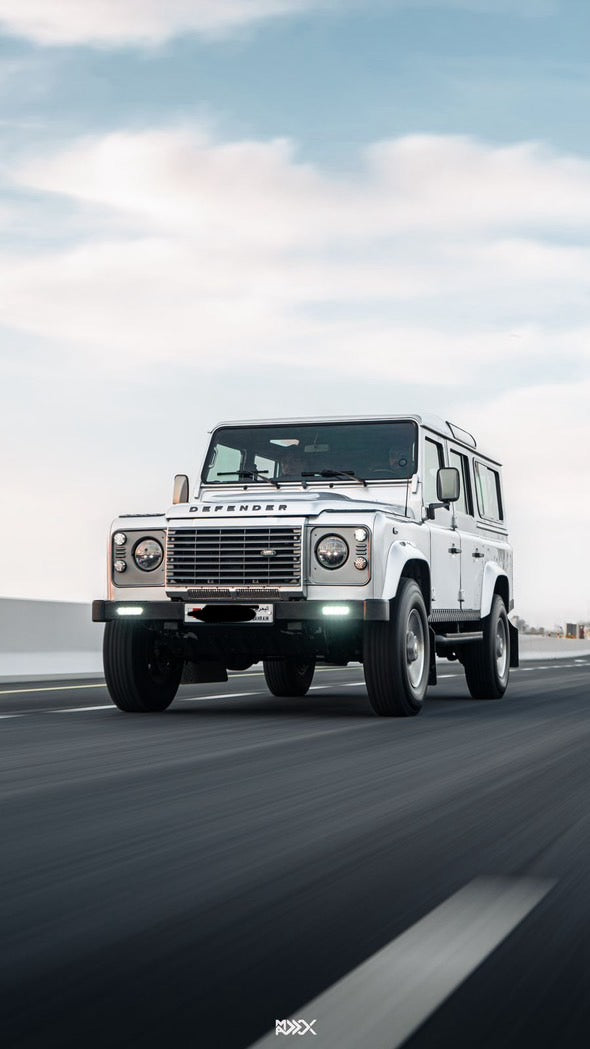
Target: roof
point(425, 418)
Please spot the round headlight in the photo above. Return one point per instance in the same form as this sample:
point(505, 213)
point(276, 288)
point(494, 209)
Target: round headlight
point(119, 539)
point(331, 551)
point(148, 554)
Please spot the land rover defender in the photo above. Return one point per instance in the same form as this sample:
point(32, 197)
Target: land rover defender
point(378, 540)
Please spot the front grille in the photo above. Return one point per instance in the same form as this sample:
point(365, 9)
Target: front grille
point(234, 557)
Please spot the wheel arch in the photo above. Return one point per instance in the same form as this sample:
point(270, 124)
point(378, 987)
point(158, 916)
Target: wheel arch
point(495, 581)
point(405, 561)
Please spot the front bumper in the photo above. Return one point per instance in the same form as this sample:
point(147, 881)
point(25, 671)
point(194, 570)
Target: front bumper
point(284, 611)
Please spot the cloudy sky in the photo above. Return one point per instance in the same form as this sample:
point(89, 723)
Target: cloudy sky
point(216, 209)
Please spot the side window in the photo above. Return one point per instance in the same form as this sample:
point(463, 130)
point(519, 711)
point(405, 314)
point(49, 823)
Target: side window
point(433, 459)
point(487, 486)
point(464, 503)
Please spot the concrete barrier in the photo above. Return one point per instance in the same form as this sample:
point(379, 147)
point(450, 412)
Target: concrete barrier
point(48, 640)
point(534, 646)
point(44, 640)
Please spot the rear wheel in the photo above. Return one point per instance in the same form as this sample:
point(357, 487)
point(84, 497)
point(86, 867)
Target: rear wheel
point(487, 664)
point(397, 655)
point(141, 672)
point(288, 677)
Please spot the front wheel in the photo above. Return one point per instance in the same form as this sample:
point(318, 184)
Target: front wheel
point(397, 655)
point(487, 663)
point(288, 677)
point(141, 673)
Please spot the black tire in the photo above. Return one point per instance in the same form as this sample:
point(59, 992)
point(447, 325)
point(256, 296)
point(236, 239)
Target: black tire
point(288, 677)
point(487, 664)
point(396, 655)
point(142, 674)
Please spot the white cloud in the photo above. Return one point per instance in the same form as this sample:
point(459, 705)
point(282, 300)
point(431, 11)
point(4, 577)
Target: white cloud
point(445, 246)
point(183, 180)
point(109, 23)
point(543, 435)
point(145, 22)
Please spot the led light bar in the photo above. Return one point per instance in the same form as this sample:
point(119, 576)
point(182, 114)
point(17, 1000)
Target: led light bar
point(130, 610)
point(335, 610)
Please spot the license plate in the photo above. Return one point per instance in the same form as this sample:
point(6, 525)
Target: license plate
point(264, 613)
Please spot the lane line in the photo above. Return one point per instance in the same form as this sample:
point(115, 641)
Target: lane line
point(50, 688)
point(382, 1002)
point(218, 695)
point(75, 710)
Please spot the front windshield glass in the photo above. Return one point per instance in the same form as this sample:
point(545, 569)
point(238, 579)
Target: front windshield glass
point(380, 451)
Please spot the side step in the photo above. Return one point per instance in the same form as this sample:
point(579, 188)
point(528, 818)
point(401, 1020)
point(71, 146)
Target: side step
point(452, 640)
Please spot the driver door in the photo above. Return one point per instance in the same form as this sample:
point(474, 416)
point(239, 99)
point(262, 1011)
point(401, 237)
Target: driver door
point(445, 541)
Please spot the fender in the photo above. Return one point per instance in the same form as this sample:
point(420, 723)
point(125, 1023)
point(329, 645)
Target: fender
point(492, 572)
point(399, 554)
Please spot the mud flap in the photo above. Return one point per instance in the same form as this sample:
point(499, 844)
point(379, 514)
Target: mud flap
point(432, 671)
point(514, 662)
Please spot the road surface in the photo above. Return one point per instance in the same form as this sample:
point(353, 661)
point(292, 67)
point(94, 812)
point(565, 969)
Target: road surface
point(188, 878)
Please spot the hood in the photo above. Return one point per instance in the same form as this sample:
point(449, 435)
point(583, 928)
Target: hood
point(279, 503)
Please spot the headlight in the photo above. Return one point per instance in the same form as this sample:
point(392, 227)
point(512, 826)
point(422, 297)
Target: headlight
point(331, 551)
point(148, 554)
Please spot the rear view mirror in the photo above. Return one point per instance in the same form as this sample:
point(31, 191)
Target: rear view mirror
point(447, 484)
point(180, 490)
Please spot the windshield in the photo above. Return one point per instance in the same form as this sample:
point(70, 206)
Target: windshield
point(381, 451)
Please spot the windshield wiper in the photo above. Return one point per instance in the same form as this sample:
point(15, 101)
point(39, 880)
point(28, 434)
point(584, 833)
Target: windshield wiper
point(348, 475)
point(257, 475)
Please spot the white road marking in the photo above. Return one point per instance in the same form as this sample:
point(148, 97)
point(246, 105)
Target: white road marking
point(382, 1002)
point(218, 695)
point(4, 716)
point(76, 710)
point(50, 688)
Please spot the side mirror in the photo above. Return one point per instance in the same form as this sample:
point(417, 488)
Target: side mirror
point(180, 490)
point(447, 484)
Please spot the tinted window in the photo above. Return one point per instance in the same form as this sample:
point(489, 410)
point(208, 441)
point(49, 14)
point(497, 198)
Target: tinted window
point(433, 459)
point(487, 486)
point(464, 503)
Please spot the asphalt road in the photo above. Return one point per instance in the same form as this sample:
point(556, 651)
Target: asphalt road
point(187, 878)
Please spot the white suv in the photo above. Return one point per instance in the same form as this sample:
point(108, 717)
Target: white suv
point(380, 540)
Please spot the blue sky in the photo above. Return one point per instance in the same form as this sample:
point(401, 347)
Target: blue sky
point(332, 80)
point(220, 208)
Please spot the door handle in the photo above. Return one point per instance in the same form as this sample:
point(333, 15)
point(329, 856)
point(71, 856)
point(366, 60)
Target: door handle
point(454, 549)
point(476, 553)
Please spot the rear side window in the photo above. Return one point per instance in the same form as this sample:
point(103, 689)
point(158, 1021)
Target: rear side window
point(487, 486)
point(464, 503)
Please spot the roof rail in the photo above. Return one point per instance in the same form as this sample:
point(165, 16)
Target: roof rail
point(462, 435)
